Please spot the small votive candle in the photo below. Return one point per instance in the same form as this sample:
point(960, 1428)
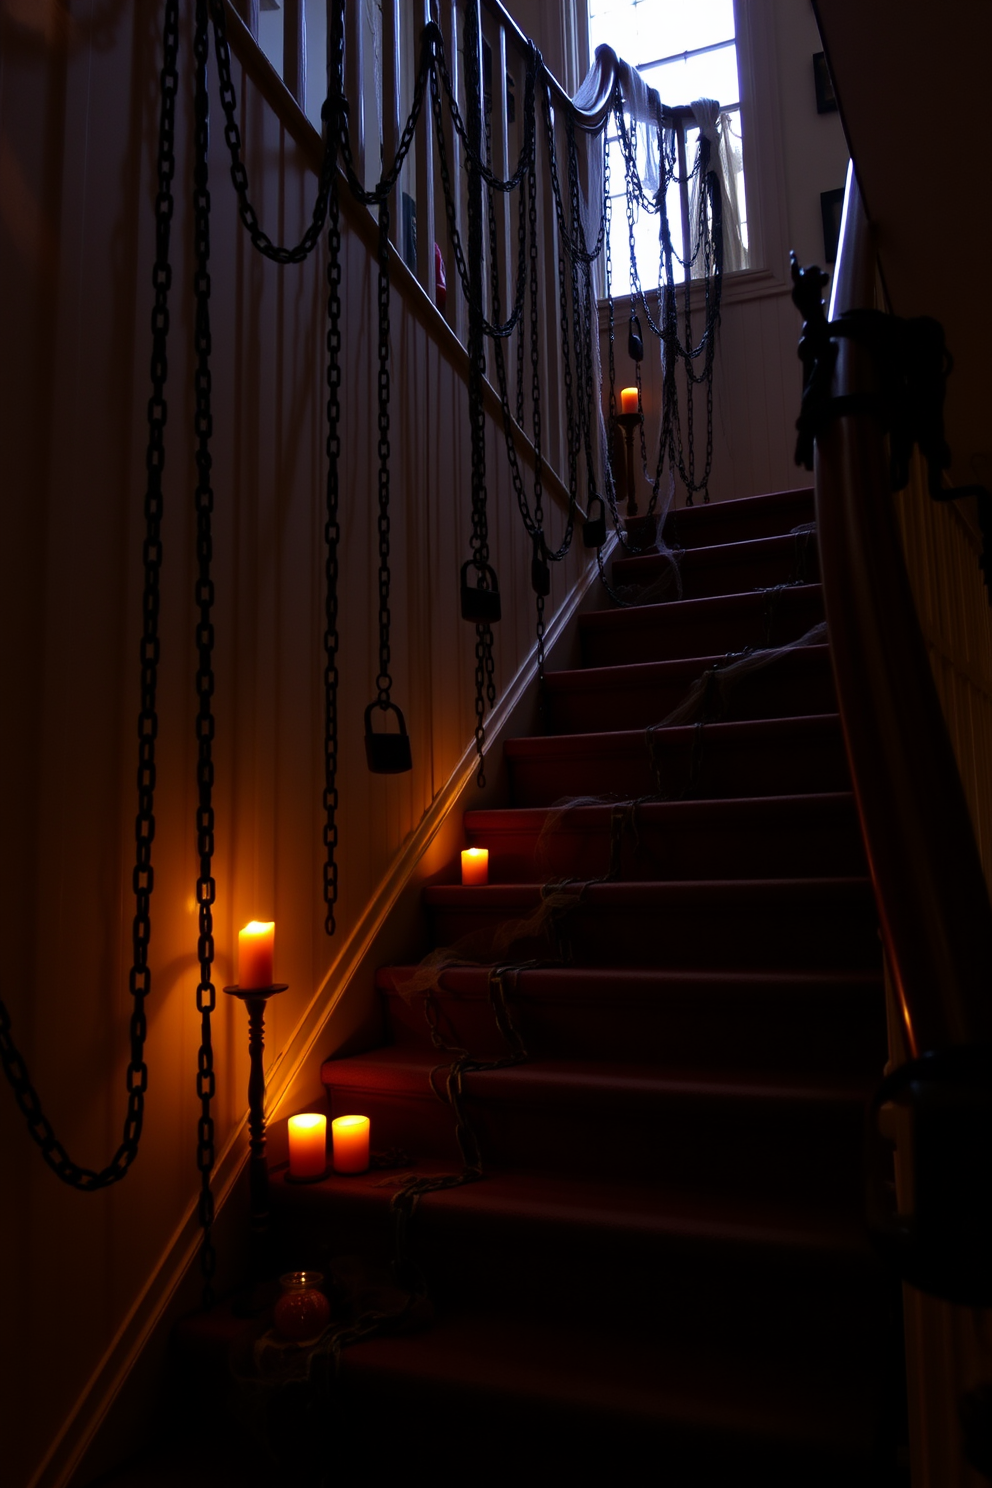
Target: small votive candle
point(350, 1143)
point(475, 865)
point(307, 1146)
point(255, 946)
point(629, 402)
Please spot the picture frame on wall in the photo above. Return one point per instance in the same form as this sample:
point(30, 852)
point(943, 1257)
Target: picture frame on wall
point(831, 208)
point(826, 98)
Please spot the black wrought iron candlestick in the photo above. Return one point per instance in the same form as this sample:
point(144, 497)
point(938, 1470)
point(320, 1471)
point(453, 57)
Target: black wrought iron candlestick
point(255, 999)
point(628, 423)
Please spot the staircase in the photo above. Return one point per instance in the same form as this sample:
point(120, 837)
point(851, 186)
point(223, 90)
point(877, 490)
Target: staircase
point(663, 1275)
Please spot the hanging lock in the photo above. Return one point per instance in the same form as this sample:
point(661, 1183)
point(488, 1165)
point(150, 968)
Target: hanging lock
point(540, 573)
point(480, 606)
point(594, 528)
point(635, 343)
point(387, 754)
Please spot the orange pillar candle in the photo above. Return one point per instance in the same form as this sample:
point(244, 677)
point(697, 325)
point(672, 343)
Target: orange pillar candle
point(475, 865)
point(255, 943)
point(628, 400)
point(307, 1146)
point(350, 1143)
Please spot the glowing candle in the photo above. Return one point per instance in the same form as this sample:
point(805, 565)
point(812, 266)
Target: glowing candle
point(307, 1146)
point(475, 865)
point(350, 1143)
point(255, 944)
point(628, 400)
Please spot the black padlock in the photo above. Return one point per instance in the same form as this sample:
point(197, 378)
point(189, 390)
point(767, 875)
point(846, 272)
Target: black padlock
point(480, 606)
point(635, 344)
point(594, 528)
point(387, 754)
point(540, 573)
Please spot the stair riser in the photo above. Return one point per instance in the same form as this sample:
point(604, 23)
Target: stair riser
point(835, 1032)
point(751, 850)
point(731, 522)
point(514, 1265)
point(788, 688)
point(723, 769)
point(665, 632)
point(736, 1147)
point(509, 1439)
point(703, 577)
point(737, 936)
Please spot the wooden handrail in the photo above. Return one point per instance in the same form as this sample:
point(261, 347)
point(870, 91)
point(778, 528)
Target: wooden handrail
point(933, 903)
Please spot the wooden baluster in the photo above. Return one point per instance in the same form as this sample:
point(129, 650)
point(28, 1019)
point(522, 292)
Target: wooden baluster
point(501, 165)
point(391, 103)
point(424, 165)
point(354, 67)
point(248, 11)
point(294, 50)
point(456, 310)
point(553, 433)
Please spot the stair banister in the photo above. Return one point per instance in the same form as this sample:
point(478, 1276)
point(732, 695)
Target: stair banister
point(933, 904)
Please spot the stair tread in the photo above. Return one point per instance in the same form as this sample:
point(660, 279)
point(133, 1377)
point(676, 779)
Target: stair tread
point(750, 732)
point(686, 523)
point(493, 821)
point(745, 551)
point(791, 1224)
point(633, 893)
point(641, 674)
point(405, 1071)
point(631, 981)
point(688, 611)
point(587, 1368)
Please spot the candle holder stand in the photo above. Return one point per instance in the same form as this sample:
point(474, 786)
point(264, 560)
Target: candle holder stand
point(255, 999)
point(628, 423)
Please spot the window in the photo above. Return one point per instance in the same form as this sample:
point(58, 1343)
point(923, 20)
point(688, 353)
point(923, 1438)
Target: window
point(686, 49)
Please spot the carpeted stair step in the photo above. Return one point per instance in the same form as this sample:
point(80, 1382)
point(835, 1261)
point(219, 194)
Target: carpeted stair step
point(789, 1274)
point(739, 520)
point(765, 757)
point(754, 837)
point(580, 1399)
point(796, 682)
point(727, 568)
point(778, 924)
point(728, 1135)
point(752, 1021)
point(699, 627)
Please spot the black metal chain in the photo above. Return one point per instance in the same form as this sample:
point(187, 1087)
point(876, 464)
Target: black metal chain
point(239, 174)
point(206, 888)
point(332, 536)
point(384, 681)
point(89, 1180)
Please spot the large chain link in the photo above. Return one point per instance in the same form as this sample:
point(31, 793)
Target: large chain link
point(40, 1128)
point(206, 888)
point(384, 681)
point(332, 524)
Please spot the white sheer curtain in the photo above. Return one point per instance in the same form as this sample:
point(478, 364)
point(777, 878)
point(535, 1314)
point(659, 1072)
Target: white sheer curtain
point(725, 162)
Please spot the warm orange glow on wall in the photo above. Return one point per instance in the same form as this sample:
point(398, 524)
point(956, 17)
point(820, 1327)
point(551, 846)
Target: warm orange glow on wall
point(255, 946)
point(350, 1143)
point(307, 1145)
point(628, 400)
point(475, 865)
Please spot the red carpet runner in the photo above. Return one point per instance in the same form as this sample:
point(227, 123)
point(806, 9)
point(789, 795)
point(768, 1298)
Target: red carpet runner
point(663, 1276)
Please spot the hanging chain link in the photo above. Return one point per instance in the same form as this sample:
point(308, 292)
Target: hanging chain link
point(206, 888)
point(40, 1129)
point(332, 539)
point(384, 681)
